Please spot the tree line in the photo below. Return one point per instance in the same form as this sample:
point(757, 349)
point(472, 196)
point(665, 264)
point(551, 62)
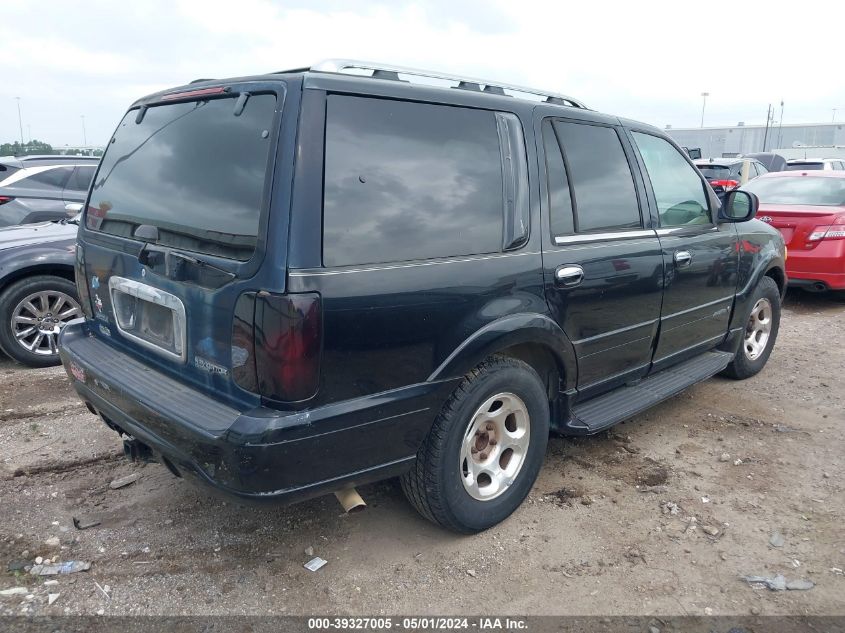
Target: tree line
point(38, 147)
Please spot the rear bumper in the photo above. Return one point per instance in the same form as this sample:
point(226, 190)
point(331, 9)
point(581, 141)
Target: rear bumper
point(817, 280)
point(262, 454)
point(825, 265)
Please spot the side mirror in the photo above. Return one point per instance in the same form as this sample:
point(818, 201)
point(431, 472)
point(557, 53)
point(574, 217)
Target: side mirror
point(73, 208)
point(738, 206)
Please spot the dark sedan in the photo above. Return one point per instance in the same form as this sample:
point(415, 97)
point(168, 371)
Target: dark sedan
point(37, 290)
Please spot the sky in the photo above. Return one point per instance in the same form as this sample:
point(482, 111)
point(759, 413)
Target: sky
point(643, 60)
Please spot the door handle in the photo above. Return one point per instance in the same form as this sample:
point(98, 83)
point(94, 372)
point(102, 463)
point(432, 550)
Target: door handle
point(682, 259)
point(569, 275)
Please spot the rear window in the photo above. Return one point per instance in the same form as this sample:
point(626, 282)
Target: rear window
point(193, 170)
point(804, 166)
point(720, 172)
point(799, 190)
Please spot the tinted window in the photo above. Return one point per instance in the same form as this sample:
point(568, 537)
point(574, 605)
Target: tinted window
point(799, 190)
point(194, 170)
point(409, 181)
point(560, 202)
point(81, 178)
point(679, 190)
point(804, 166)
point(52, 178)
point(600, 177)
point(715, 172)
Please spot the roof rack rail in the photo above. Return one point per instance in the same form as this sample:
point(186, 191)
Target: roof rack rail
point(384, 71)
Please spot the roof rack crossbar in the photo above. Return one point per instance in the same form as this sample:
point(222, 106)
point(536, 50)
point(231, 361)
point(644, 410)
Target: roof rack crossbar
point(376, 70)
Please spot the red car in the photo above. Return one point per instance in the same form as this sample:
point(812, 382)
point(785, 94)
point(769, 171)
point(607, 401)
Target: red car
point(808, 207)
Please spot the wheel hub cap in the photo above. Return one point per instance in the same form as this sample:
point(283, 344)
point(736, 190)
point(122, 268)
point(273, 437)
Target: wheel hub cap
point(494, 447)
point(38, 319)
point(758, 330)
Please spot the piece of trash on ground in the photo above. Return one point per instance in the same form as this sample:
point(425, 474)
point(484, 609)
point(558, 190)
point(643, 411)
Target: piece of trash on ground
point(776, 539)
point(69, 567)
point(14, 591)
point(52, 597)
point(315, 563)
point(84, 524)
point(122, 482)
point(779, 583)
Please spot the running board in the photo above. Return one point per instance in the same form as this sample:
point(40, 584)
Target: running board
point(600, 413)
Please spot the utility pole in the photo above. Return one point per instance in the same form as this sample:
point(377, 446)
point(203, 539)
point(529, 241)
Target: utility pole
point(768, 119)
point(84, 135)
point(780, 124)
point(704, 96)
point(20, 121)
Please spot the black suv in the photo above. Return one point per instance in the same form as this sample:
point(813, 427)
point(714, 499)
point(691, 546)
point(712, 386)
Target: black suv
point(303, 281)
point(43, 188)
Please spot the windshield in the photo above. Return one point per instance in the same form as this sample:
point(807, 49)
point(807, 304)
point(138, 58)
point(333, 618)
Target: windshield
point(193, 170)
point(804, 166)
point(805, 190)
point(718, 172)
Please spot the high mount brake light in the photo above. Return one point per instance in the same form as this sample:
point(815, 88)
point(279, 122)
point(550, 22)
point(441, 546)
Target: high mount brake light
point(193, 93)
point(5, 199)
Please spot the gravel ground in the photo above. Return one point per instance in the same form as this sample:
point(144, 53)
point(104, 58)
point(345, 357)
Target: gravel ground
point(742, 478)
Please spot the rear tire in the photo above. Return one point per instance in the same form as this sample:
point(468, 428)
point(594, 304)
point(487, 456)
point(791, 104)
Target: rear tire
point(761, 332)
point(59, 293)
point(485, 449)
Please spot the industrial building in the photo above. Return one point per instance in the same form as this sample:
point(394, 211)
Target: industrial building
point(801, 140)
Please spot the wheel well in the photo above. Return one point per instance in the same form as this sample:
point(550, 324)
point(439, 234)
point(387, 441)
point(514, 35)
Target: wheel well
point(778, 277)
point(543, 361)
point(66, 272)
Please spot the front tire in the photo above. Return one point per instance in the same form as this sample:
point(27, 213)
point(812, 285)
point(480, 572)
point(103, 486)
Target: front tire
point(485, 449)
point(761, 332)
point(33, 311)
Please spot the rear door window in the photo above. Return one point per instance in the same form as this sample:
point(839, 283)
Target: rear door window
point(407, 181)
point(50, 178)
point(193, 170)
point(81, 178)
point(600, 179)
point(679, 190)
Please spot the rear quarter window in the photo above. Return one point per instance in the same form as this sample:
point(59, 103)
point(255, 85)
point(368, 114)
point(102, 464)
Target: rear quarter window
point(409, 181)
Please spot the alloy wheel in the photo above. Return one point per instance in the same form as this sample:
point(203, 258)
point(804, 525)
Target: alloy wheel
point(494, 447)
point(758, 330)
point(38, 318)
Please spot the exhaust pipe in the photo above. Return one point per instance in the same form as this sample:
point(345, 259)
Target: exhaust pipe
point(136, 451)
point(350, 500)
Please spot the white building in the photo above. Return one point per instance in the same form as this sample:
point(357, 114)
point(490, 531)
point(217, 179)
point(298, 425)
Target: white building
point(804, 140)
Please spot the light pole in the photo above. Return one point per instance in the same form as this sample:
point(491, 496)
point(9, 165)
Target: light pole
point(84, 135)
point(780, 123)
point(20, 121)
point(704, 96)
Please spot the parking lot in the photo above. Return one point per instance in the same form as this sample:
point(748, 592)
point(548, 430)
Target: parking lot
point(662, 515)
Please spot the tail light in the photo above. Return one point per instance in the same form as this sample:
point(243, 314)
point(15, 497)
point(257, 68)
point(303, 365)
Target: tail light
point(727, 185)
point(835, 231)
point(5, 199)
point(288, 344)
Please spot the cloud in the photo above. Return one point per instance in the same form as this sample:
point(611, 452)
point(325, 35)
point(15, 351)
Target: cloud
point(647, 61)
